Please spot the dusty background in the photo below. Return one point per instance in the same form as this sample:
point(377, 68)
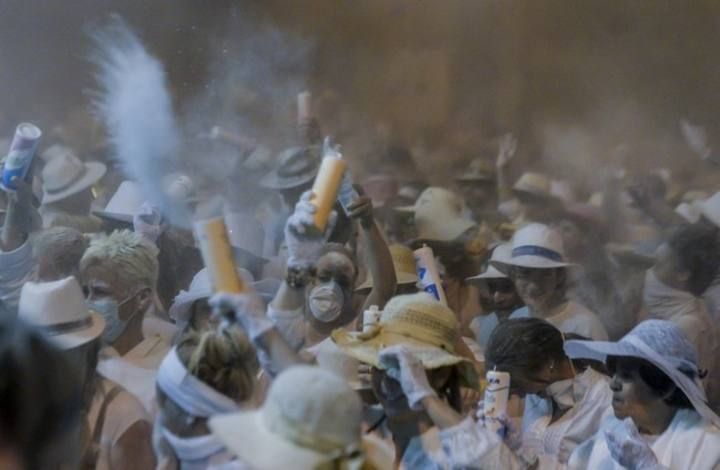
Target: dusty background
point(584, 83)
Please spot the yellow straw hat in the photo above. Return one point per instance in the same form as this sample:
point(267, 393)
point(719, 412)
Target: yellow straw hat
point(404, 263)
point(418, 321)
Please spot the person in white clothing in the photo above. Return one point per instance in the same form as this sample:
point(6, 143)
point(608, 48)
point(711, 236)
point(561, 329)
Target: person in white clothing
point(538, 268)
point(563, 403)
point(685, 266)
point(117, 428)
point(119, 273)
point(661, 416)
point(208, 373)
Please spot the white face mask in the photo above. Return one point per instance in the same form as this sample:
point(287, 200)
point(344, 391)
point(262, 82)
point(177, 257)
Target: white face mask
point(326, 301)
point(562, 393)
point(109, 308)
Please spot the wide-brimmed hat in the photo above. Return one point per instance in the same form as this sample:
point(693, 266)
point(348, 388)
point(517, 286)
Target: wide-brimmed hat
point(440, 215)
point(64, 175)
point(404, 263)
point(419, 322)
point(502, 253)
point(309, 417)
point(663, 344)
point(296, 166)
point(59, 311)
point(479, 170)
point(711, 209)
point(246, 235)
point(534, 185)
point(535, 246)
point(124, 204)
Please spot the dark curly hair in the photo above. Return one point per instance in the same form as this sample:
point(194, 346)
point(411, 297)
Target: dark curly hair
point(697, 250)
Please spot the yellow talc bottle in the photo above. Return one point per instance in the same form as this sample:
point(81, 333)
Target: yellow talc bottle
point(217, 255)
point(325, 189)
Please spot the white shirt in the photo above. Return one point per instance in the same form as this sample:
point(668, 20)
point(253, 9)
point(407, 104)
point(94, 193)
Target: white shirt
point(574, 318)
point(688, 443)
point(552, 444)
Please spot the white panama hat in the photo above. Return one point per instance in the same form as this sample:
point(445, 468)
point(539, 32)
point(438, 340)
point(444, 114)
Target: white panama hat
point(64, 175)
point(663, 344)
point(59, 310)
point(535, 246)
point(124, 204)
point(502, 253)
point(310, 417)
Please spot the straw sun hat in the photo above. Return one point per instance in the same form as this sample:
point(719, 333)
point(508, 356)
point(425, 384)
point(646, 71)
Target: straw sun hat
point(310, 420)
point(404, 263)
point(427, 328)
point(59, 311)
point(124, 204)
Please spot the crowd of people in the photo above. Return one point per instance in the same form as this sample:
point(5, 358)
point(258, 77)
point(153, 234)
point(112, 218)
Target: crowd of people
point(602, 304)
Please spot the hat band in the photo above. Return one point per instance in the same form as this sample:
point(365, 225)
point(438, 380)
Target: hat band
point(534, 250)
point(68, 327)
point(67, 185)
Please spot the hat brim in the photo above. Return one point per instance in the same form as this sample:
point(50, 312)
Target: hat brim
point(529, 261)
point(402, 280)
point(446, 231)
point(491, 273)
point(94, 173)
point(246, 435)
point(124, 218)
point(600, 350)
point(273, 180)
point(367, 351)
point(78, 338)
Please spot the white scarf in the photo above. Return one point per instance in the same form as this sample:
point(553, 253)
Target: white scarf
point(190, 393)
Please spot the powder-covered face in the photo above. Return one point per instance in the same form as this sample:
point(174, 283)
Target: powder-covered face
point(632, 397)
point(538, 288)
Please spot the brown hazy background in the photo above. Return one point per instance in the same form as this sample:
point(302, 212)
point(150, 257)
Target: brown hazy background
point(584, 83)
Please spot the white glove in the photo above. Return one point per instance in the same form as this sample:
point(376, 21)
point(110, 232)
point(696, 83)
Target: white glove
point(510, 430)
point(629, 449)
point(248, 310)
point(400, 364)
point(303, 243)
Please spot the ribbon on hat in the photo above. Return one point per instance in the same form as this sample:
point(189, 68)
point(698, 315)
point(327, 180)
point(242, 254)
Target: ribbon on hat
point(534, 250)
point(190, 393)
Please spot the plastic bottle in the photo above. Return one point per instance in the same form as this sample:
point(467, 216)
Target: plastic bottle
point(20, 156)
point(497, 393)
point(217, 255)
point(428, 273)
point(326, 187)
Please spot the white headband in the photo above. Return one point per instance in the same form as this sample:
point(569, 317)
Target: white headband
point(190, 393)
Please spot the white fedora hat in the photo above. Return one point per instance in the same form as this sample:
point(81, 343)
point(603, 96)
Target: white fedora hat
point(710, 209)
point(310, 417)
point(124, 204)
point(64, 175)
point(59, 310)
point(535, 246)
point(502, 253)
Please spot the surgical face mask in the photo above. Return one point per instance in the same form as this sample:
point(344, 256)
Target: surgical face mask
point(562, 393)
point(109, 308)
point(326, 301)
